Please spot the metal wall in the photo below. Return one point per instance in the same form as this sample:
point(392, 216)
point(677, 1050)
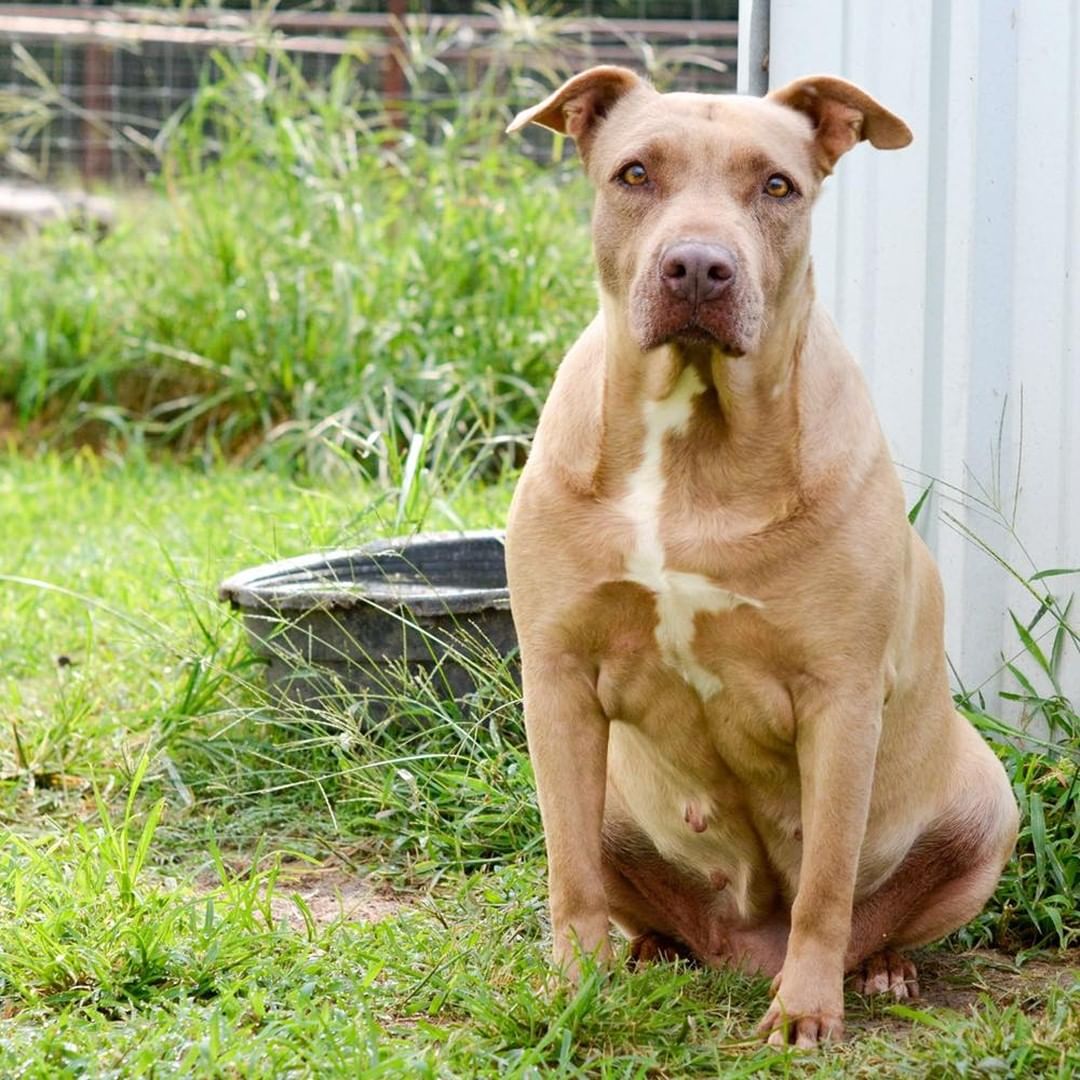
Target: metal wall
point(953, 270)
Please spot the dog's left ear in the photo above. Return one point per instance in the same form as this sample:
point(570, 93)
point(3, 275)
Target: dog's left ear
point(581, 103)
point(842, 116)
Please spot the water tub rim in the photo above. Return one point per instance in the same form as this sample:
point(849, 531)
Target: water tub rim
point(262, 588)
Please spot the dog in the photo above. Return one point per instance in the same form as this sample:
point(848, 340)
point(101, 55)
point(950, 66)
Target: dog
point(733, 663)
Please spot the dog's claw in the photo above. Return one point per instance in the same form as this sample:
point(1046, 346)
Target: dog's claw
point(803, 1032)
point(887, 972)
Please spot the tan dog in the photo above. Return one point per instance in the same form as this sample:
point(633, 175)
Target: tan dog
point(735, 690)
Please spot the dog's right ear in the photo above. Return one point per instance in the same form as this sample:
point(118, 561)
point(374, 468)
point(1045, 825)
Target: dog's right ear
point(578, 106)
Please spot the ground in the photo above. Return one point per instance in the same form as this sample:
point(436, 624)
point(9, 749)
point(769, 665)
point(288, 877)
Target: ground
point(197, 884)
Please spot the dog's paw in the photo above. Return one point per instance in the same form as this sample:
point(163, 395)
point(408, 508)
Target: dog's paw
point(578, 950)
point(654, 948)
point(804, 1032)
point(802, 1020)
point(887, 972)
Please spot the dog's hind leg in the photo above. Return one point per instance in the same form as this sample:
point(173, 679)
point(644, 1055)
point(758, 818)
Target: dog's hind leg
point(670, 913)
point(942, 883)
point(649, 900)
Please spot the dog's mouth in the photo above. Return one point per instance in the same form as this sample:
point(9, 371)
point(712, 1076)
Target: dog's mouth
point(719, 331)
point(695, 332)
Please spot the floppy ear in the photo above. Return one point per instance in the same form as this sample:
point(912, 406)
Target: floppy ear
point(842, 115)
point(580, 103)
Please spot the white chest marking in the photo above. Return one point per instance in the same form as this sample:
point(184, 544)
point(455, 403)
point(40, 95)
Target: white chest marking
point(679, 595)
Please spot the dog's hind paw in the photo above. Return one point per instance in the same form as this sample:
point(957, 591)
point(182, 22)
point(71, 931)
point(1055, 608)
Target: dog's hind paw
point(653, 947)
point(887, 972)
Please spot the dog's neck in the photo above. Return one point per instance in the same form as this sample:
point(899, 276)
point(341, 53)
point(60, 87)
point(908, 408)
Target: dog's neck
point(742, 444)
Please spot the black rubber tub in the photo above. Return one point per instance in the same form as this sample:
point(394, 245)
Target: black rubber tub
point(351, 629)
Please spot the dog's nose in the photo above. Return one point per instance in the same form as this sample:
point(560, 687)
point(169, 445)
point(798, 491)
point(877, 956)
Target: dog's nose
point(697, 272)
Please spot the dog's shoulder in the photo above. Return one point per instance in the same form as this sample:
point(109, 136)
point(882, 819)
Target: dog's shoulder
point(569, 438)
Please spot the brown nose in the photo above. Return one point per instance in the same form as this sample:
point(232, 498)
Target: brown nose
point(697, 272)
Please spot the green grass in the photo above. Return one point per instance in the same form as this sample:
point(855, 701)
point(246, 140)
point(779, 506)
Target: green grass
point(305, 282)
point(154, 801)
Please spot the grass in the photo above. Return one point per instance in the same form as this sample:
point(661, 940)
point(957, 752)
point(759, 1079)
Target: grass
point(356, 284)
point(160, 816)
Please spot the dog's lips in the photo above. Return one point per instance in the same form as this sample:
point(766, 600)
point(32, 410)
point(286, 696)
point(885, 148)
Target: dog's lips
point(694, 332)
point(721, 333)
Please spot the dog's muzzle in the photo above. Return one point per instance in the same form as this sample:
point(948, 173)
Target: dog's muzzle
point(695, 293)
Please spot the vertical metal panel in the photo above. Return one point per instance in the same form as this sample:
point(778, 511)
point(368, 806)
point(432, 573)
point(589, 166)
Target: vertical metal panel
point(753, 56)
point(953, 271)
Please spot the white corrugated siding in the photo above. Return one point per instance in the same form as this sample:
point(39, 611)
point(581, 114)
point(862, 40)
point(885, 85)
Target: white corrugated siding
point(953, 271)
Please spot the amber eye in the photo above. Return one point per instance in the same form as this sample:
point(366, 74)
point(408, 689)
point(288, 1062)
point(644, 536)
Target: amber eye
point(634, 175)
point(778, 186)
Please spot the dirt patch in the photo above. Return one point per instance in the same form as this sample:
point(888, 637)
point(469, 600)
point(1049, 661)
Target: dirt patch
point(331, 894)
point(958, 981)
point(9, 429)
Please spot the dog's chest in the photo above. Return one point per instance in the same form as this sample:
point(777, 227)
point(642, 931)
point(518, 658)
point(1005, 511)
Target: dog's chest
point(702, 747)
point(680, 596)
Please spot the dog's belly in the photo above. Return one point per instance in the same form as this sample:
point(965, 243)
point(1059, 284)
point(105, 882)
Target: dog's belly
point(716, 789)
point(713, 784)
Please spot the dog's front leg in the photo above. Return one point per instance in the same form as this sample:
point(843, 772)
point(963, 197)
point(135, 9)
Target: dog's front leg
point(836, 743)
point(568, 738)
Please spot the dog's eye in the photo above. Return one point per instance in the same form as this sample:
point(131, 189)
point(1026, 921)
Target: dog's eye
point(634, 175)
point(778, 186)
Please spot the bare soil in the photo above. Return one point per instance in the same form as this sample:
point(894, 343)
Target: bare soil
point(330, 894)
point(958, 981)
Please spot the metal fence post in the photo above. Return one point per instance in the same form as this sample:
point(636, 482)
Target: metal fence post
point(96, 161)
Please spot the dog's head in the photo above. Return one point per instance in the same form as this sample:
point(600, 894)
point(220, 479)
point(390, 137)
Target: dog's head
point(702, 216)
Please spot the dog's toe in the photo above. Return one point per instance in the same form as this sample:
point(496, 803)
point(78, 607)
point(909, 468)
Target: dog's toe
point(887, 972)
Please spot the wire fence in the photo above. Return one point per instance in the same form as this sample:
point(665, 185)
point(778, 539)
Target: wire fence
point(87, 89)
